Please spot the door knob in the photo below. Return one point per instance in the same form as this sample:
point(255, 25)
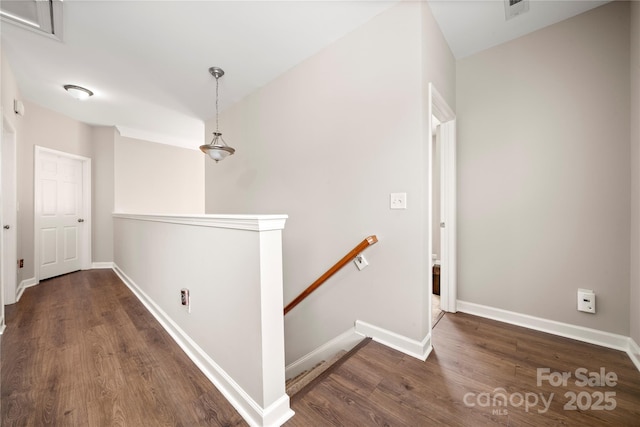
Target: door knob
point(6, 227)
point(80, 220)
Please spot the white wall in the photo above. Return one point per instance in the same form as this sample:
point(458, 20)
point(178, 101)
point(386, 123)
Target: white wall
point(232, 267)
point(326, 143)
point(543, 171)
point(157, 178)
point(635, 173)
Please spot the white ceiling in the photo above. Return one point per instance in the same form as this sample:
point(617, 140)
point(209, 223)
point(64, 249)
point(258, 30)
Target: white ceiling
point(470, 26)
point(147, 61)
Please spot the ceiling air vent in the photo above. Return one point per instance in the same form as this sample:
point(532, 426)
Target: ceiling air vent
point(41, 16)
point(513, 8)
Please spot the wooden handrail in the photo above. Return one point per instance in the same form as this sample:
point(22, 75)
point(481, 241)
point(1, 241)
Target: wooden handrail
point(330, 272)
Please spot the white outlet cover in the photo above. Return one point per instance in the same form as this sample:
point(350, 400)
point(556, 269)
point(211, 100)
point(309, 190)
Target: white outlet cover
point(398, 201)
point(360, 261)
point(586, 300)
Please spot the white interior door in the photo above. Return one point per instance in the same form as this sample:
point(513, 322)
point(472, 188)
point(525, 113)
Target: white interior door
point(9, 214)
point(59, 210)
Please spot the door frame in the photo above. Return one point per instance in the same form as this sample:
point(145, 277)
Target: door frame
point(9, 131)
point(85, 240)
point(438, 107)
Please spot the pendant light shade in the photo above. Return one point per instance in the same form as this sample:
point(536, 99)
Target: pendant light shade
point(217, 149)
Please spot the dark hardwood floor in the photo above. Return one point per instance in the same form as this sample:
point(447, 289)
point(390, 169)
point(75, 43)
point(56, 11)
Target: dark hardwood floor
point(80, 350)
point(474, 362)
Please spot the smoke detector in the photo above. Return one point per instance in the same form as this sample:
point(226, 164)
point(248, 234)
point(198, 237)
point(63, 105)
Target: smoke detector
point(513, 8)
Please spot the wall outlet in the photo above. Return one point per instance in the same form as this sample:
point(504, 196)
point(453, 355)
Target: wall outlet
point(361, 261)
point(184, 299)
point(586, 300)
point(21, 263)
point(398, 201)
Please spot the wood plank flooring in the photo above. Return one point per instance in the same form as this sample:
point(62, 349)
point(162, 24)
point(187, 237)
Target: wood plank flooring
point(80, 350)
point(474, 362)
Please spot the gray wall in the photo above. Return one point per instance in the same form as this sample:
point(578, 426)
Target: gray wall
point(8, 92)
point(141, 176)
point(635, 172)
point(103, 193)
point(326, 143)
point(48, 129)
point(544, 172)
point(157, 178)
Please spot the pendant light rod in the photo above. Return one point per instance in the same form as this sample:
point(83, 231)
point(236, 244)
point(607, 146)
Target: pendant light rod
point(216, 72)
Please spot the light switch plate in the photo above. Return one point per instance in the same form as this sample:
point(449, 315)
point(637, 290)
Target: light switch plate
point(398, 201)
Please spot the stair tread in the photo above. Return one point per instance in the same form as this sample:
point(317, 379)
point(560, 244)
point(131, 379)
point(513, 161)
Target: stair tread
point(297, 383)
point(307, 380)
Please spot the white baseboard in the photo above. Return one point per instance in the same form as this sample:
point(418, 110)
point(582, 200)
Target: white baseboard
point(2, 325)
point(99, 265)
point(634, 353)
point(345, 341)
point(580, 333)
point(274, 415)
point(24, 285)
point(418, 349)
point(350, 338)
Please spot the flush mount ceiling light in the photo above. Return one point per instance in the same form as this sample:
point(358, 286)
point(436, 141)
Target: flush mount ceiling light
point(78, 92)
point(217, 149)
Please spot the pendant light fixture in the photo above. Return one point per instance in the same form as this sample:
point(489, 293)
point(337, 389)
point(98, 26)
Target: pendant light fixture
point(217, 149)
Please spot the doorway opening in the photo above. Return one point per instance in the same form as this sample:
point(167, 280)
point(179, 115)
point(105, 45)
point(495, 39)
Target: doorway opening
point(8, 207)
point(436, 202)
point(442, 207)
